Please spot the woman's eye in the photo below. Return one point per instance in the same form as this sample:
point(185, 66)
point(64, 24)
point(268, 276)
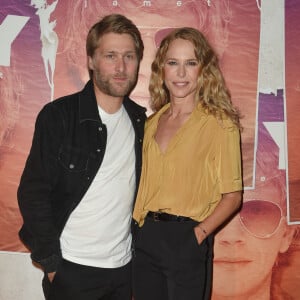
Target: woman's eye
point(192, 63)
point(172, 62)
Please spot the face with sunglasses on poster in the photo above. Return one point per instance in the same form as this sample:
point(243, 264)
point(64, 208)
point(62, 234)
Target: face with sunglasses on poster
point(247, 248)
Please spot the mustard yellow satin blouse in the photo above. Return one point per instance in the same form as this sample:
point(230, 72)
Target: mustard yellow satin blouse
point(201, 162)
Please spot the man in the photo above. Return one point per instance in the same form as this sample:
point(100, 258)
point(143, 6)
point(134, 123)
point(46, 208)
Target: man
point(77, 189)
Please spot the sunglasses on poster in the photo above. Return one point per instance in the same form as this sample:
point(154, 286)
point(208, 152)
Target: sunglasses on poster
point(157, 34)
point(260, 218)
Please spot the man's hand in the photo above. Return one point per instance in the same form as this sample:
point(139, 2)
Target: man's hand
point(51, 276)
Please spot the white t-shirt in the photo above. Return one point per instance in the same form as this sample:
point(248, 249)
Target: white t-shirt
point(97, 232)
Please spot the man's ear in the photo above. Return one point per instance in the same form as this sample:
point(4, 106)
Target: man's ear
point(287, 238)
point(90, 63)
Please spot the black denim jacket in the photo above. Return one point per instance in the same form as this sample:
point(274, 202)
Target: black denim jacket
point(67, 150)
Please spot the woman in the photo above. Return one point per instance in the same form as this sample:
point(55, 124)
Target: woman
point(191, 178)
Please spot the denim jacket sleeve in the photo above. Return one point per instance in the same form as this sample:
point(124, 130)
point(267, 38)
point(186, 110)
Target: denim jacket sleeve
point(39, 232)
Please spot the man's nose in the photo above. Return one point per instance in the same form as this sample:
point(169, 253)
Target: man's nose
point(120, 64)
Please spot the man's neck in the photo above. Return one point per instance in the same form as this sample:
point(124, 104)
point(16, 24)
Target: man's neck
point(109, 104)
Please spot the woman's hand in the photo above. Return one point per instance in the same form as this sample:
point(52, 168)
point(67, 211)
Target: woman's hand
point(200, 234)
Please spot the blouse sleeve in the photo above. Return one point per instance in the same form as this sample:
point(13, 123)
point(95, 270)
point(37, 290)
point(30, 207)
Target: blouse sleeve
point(228, 160)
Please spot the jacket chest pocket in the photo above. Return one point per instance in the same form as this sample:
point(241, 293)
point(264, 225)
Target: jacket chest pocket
point(73, 159)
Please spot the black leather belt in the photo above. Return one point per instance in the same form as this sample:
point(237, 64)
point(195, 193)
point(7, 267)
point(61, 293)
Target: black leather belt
point(160, 216)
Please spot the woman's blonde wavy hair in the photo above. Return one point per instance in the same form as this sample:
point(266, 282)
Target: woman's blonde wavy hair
point(212, 91)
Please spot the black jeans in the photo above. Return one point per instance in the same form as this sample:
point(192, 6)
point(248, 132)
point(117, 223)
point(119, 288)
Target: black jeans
point(77, 282)
point(169, 264)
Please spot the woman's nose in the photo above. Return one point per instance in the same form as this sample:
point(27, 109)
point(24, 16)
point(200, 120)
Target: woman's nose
point(181, 70)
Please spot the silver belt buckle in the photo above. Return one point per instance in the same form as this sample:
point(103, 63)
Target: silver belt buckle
point(156, 216)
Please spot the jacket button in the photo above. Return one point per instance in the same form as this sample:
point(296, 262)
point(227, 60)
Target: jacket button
point(100, 128)
point(138, 120)
point(140, 140)
point(71, 166)
point(98, 150)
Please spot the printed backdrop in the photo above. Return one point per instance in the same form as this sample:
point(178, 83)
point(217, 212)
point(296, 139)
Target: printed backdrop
point(42, 57)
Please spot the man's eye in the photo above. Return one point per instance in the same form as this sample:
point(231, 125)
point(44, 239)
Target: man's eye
point(109, 56)
point(131, 56)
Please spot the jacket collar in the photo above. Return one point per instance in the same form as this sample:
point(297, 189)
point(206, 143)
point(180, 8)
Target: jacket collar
point(88, 108)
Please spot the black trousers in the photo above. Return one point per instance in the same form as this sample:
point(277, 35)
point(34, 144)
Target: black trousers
point(169, 264)
point(77, 282)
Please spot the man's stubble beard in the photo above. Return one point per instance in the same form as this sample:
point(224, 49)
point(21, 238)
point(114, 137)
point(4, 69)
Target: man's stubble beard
point(113, 89)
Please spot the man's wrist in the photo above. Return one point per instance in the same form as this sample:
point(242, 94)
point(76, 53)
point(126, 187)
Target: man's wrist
point(50, 264)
